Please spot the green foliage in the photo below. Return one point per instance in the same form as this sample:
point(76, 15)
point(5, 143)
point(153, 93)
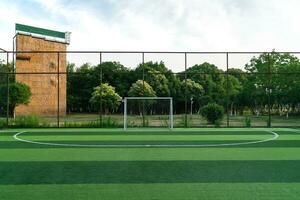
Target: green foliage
point(212, 113)
point(159, 82)
point(211, 79)
point(30, 121)
point(141, 89)
point(158, 76)
point(107, 122)
point(234, 87)
point(248, 122)
point(217, 124)
point(116, 75)
point(132, 123)
point(4, 68)
point(206, 83)
point(81, 84)
point(164, 121)
point(141, 122)
point(145, 122)
point(2, 123)
point(184, 122)
point(247, 113)
point(191, 89)
point(19, 93)
point(284, 87)
point(107, 94)
point(148, 66)
point(80, 87)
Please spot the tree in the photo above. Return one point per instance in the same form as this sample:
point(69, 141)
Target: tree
point(4, 68)
point(191, 89)
point(19, 93)
point(211, 79)
point(205, 83)
point(157, 66)
point(114, 74)
point(108, 96)
point(234, 88)
point(286, 89)
point(158, 82)
point(162, 79)
point(238, 97)
point(212, 112)
point(80, 87)
point(82, 80)
point(282, 85)
point(141, 89)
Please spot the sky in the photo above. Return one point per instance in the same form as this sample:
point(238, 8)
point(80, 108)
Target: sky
point(161, 25)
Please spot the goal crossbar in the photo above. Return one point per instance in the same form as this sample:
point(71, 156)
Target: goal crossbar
point(148, 98)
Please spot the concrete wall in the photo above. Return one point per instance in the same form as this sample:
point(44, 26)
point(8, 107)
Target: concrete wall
point(44, 87)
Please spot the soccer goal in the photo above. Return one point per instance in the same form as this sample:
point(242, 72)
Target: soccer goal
point(148, 112)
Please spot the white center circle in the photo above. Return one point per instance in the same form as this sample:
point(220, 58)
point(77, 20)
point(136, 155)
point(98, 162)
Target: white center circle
point(275, 136)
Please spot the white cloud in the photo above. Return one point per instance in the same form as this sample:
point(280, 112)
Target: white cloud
point(165, 25)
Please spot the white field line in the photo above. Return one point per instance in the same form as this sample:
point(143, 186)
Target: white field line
point(143, 130)
point(275, 136)
point(9, 131)
point(293, 130)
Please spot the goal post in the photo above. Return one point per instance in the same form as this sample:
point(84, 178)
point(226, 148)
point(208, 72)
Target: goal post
point(153, 108)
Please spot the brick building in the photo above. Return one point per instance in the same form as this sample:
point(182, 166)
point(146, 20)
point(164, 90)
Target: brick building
point(46, 88)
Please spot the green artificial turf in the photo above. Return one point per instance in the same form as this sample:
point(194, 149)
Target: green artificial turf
point(267, 170)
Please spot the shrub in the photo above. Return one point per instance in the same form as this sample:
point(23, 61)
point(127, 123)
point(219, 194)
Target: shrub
point(2, 123)
point(217, 124)
point(19, 93)
point(107, 94)
point(107, 122)
point(183, 122)
point(248, 122)
point(30, 121)
point(132, 123)
point(212, 112)
point(72, 125)
point(247, 113)
point(145, 122)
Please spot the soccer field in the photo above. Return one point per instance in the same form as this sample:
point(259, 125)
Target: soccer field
point(150, 164)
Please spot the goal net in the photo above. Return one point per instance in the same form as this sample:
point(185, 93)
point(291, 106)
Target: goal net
point(148, 112)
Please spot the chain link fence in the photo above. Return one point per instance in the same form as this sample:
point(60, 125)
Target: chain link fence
point(86, 88)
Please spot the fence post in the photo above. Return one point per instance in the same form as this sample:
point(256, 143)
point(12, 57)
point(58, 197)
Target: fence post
point(185, 91)
point(58, 111)
point(171, 113)
point(143, 112)
point(101, 79)
point(227, 89)
point(7, 98)
point(125, 113)
point(269, 91)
